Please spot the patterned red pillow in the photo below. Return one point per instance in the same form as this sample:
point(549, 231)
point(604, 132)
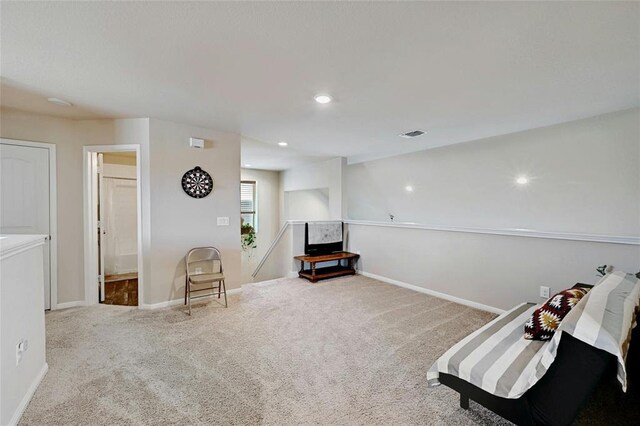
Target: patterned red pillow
point(546, 319)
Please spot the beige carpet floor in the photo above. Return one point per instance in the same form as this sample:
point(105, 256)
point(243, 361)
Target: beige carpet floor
point(344, 351)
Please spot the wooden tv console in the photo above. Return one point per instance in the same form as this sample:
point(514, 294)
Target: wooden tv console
point(314, 274)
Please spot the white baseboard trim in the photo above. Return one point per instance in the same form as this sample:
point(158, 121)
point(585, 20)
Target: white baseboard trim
point(17, 415)
point(67, 305)
point(445, 296)
point(180, 301)
point(161, 305)
point(292, 274)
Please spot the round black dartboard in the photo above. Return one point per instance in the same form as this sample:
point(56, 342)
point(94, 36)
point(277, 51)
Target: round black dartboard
point(197, 183)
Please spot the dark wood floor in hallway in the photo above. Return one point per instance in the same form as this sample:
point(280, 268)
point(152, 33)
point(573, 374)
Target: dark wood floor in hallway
point(121, 289)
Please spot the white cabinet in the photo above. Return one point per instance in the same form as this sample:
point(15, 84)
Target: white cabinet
point(22, 336)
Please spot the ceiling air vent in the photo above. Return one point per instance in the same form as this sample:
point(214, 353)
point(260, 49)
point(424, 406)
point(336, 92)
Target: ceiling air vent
point(412, 134)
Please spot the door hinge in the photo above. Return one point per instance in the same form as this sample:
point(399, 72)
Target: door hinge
point(99, 224)
point(100, 279)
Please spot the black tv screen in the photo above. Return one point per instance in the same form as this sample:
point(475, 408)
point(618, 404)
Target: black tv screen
point(323, 238)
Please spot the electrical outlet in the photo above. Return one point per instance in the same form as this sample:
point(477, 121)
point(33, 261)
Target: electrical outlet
point(21, 348)
point(223, 221)
point(544, 292)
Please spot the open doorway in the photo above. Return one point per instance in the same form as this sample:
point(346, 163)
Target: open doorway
point(114, 226)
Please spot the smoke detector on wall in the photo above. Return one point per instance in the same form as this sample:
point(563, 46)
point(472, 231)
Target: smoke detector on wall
point(196, 143)
point(412, 134)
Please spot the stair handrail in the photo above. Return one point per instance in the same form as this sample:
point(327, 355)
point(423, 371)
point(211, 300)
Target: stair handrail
point(271, 247)
point(279, 236)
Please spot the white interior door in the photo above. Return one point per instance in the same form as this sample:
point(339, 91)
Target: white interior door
point(120, 220)
point(24, 196)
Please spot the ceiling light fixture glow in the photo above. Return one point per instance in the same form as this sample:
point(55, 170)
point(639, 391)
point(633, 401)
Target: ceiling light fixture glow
point(323, 99)
point(408, 188)
point(522, 180)
point(282, 144)
point(59, 102)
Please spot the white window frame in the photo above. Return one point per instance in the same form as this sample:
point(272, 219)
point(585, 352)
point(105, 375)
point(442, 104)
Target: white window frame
point(255, 203)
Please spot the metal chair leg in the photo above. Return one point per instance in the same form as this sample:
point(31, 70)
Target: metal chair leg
point(186, 284)
point(219, 287)
point(189, 291)
point(224, 289)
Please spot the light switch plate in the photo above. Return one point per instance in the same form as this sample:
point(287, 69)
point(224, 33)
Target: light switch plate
point(223, 221)
point(21, 348)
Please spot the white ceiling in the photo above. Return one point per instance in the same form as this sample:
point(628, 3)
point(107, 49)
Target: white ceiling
point(269, 156)
point(460, 71)
point(19, 97)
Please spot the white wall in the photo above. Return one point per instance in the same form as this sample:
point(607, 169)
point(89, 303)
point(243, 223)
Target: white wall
point(322, 175)
point(130, 132)
point(179, 222)
point(281, 263)
point(307, 204)
point(268, 217)
point(314, 191)
point(69, 136)
point(494, 270)
point(119, 171)
point(585, 178)
point(172, 221)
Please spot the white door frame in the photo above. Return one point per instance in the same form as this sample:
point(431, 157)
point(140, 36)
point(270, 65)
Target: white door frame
point(90, 225)
point(53, 213)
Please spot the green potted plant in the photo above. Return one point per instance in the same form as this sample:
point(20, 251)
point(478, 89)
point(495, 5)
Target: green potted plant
point(247, 237)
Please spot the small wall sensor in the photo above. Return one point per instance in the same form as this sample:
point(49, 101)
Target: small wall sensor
point(196, 143)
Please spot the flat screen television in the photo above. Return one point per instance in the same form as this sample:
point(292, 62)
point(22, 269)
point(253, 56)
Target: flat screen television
point(323, 238)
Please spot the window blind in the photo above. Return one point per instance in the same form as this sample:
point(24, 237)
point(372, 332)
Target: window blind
point(248, 202)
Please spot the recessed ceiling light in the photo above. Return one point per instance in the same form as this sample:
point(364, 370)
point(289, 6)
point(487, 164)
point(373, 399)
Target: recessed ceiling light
point(408, 188)
point(60, 102)
point(283, 143)
point(247, 165)
point(323, 99)
point(522, 180)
